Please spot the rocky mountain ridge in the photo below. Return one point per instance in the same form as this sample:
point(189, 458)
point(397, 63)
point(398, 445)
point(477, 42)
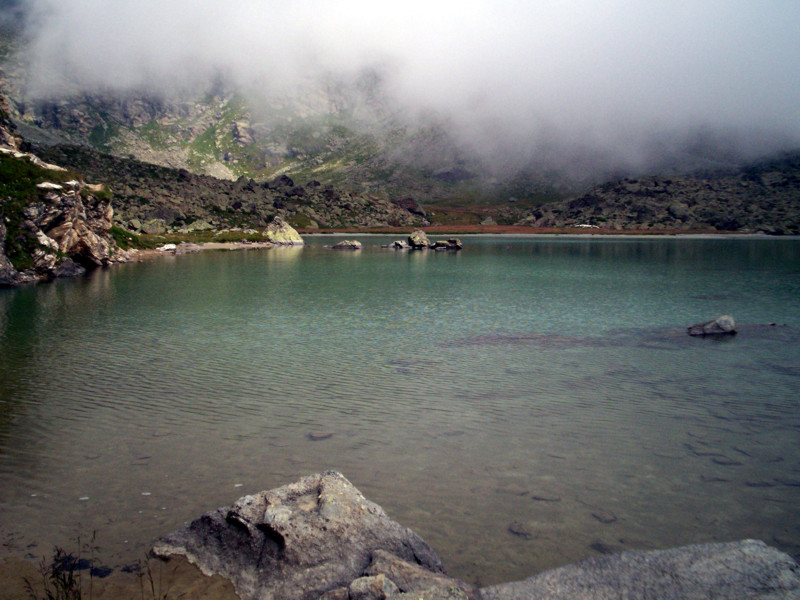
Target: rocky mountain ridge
point(761, 197)
point(154, 199)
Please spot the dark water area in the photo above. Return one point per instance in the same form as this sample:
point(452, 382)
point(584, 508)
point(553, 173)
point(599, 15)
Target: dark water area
point(525, 403)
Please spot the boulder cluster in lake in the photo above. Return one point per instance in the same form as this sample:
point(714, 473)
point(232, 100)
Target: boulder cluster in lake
point(418, 240)
point(321, 539)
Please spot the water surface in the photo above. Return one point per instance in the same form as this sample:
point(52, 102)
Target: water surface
point(523, 404)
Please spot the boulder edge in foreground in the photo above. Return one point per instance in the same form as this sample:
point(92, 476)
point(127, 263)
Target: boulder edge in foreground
point(319, 538)
point(741, 570)
point(313, 537)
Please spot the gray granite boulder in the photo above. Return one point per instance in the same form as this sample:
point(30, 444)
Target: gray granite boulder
point(748, 569)
point(281, 233)
point(297, 542)
point(724, 325)
point(418, 239)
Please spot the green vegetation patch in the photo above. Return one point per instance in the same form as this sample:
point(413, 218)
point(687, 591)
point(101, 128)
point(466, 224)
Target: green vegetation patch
point(157, 135)
point(102, 135)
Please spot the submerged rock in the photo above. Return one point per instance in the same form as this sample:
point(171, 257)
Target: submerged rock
point(724, 325)
point(398, 245)
point(280, 232)
point(738, 570)
point(347, 245)
point(299, 541)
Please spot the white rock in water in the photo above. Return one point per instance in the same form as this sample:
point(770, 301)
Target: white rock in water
point(167, 248)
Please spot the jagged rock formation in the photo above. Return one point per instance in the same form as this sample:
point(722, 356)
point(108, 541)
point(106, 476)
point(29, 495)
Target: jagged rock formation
point(51, 223)
point(319, 538)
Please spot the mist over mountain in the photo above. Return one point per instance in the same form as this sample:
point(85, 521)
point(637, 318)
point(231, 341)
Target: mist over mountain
point(572, 93)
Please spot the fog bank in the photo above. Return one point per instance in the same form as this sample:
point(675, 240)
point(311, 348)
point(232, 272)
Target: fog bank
point(615, 79)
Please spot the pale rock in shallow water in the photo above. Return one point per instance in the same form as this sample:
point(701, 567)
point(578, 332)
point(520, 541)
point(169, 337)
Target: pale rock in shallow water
point(347, 245)
point(281, 233)
point(724, 325)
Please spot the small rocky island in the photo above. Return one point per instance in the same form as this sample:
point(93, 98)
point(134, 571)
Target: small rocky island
point(320, 539)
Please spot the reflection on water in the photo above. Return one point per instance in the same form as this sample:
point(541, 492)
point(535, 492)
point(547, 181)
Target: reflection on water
point(522, 404)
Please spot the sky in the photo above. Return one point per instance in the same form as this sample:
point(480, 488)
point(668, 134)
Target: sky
point(611, 75)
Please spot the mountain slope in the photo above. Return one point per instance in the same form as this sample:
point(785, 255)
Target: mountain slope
point(763, 196)
point(152, 198)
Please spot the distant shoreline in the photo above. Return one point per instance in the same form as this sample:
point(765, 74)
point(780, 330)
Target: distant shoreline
point(522, 230)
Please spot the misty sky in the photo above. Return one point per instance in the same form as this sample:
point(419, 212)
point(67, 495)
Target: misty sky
point(599, 72)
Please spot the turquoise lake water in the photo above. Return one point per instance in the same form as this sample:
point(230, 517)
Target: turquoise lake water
point(525, 403)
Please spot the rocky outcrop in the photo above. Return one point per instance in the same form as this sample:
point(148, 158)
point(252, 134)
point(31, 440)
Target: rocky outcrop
point(742, 570)
point(52, 228)
point(347, 245)
point(320, 538)
point(281, 233)
point(724, 325)
point(316, 536)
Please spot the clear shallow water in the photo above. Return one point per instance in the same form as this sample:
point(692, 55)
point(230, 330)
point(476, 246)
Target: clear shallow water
point(545, 382)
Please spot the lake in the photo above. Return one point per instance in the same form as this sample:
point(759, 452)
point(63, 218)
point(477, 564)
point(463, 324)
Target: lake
point(525, 403)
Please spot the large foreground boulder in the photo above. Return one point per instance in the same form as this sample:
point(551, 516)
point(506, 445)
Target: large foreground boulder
point(281, 233)
point(316, 536)
point(321, 539)
point(747, 569)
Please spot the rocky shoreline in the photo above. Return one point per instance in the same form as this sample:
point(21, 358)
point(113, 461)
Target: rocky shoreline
point(320, 539)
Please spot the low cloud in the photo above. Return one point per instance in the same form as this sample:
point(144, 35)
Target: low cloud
point(618, 79)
